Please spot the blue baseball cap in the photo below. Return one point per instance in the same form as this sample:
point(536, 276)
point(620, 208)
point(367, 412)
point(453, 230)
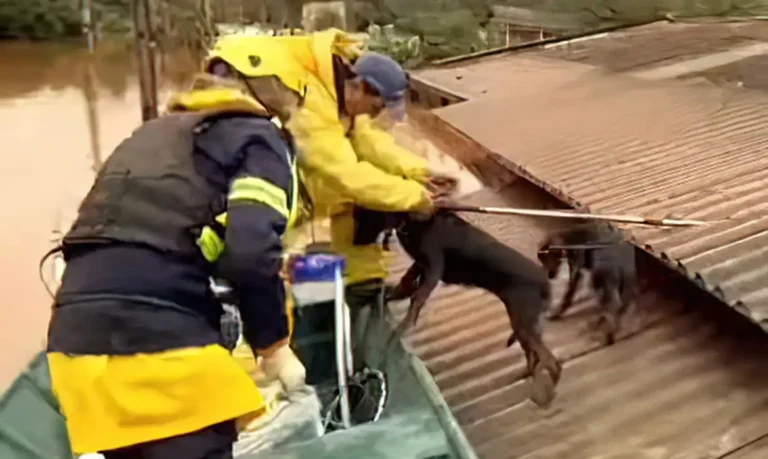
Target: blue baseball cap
point(386, 76)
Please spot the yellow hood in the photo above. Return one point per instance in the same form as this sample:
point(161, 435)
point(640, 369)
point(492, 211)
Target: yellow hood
point(331, 42)
point(209, 92)
point(291, 58)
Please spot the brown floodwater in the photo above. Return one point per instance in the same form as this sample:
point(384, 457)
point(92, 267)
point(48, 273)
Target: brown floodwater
point(61, 113)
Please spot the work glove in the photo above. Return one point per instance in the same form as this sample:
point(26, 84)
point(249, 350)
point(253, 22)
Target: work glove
point(283, 365)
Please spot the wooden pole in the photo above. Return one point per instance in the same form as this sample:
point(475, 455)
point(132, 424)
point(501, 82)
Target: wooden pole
point(208, 34)
point(147, 82)
point(90, 93)
point(88, 27)
point(91, 98)
point(151, 52)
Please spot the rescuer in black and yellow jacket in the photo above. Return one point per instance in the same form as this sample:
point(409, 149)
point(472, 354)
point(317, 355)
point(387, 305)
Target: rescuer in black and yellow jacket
point(346, 159)
point(134, 342)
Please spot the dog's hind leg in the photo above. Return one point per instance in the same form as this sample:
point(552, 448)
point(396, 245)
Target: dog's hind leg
point(525, 316)
point(629, 291)
point(544, 367)
point(567, 301)
point(612, 307)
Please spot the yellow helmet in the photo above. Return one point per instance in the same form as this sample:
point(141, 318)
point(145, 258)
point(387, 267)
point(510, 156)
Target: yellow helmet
point(258, 56)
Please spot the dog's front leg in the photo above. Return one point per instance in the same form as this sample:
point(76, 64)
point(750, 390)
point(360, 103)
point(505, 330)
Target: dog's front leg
point(434, 267)
point(408, 284)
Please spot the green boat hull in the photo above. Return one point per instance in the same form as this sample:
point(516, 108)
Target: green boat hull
point(416, 423)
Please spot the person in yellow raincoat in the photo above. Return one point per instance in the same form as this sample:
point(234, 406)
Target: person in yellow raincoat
point(346, 159)
point(134, 342)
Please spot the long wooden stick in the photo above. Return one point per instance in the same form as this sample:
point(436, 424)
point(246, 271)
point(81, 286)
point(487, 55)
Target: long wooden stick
point(580, 216)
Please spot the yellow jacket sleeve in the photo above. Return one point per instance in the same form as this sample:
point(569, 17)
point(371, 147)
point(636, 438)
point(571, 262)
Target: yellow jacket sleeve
point(326, 152)
point(379, 148)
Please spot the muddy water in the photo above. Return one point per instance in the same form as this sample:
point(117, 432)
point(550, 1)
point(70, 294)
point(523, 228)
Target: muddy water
point(57, 123)
point(61, 113)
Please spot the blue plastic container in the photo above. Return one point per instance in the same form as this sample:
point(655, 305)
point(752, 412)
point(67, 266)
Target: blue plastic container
point(318, 279)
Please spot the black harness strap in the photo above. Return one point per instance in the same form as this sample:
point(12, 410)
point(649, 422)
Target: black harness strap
point(58, 249)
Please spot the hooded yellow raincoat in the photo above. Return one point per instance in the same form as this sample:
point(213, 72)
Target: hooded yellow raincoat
point(340, 167)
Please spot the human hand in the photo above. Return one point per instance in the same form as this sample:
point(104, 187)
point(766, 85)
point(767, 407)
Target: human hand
point(426, 209)
point(444, 201)
point(433, 202)
point(283, 365)
point(441, 182)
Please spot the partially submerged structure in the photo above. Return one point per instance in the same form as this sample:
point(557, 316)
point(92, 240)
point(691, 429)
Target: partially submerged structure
point(630, 121)
point(606, 124)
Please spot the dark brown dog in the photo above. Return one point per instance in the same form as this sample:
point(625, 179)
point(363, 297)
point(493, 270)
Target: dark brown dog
point(611, 260)
point(447, 248)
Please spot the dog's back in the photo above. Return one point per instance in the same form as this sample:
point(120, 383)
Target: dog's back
point(472, 256)
point(618, 257)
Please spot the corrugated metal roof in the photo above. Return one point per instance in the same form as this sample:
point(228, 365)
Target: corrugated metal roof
point(660, 43)
point(615, 144)
point(651, 149)
point(756, 450)
point(751, 72)
point(499, 76)
point(672, 386)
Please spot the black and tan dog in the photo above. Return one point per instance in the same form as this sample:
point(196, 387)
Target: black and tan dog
point(447, 248)
point(610, 259)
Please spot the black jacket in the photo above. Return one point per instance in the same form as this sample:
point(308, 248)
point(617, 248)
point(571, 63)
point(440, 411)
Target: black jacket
point(127, 291)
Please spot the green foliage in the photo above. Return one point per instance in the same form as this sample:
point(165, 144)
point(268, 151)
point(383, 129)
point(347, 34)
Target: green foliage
point(402, 47)
point(38, 19)
point(444, 27)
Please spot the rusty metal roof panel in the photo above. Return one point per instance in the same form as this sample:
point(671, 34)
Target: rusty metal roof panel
point(615, 144)
point(625, 50)
point(657, 43)
point(750, 72)
point(500, 75)
point(674, 390)
point(755, 450)
point(674, 385)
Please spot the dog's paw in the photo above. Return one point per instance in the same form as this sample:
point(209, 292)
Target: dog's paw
point(554, 314)
point(542, 387)
point(603, 330)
